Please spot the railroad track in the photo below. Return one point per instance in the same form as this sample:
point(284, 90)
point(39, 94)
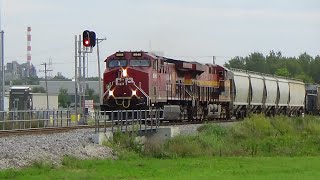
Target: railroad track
point(170, 123)
point(46, 130)
point(49, 130)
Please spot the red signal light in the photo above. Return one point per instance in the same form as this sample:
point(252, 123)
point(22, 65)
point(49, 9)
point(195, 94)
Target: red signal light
point(86, 42)
point(89, 38)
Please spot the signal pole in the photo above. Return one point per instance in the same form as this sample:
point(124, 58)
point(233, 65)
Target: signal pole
point(79, 70)
point(88, 41)
point(99, 71)
point(45, 74)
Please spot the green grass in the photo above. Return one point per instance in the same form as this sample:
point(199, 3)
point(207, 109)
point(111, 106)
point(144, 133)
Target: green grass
point(256, 148)
point(180, 168)
point(254, 136)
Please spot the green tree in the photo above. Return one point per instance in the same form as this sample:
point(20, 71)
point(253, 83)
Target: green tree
point(256, 62)
point(90, 93)
point(93, 78)
point(237, 62)
point(38, 89)
point(26, 81)
point(305, 78)
point(283, 72)
point(60, 77)
point(63, 98)
point(314, 69)
point(274, 61)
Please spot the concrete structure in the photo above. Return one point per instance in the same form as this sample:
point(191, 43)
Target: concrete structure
point(101, 137)
point(162, 134)
point(159, 137)
point(40, 101)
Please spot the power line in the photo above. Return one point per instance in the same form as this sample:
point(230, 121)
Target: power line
point(46, 79)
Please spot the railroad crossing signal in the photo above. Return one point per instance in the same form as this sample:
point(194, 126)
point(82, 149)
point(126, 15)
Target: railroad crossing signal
point(89, 38)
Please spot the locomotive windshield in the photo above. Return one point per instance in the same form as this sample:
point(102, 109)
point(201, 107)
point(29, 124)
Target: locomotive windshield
point(140, 62)
point(117, 63)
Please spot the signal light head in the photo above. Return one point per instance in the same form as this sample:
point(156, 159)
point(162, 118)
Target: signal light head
point(86, 43)
point(89, 38)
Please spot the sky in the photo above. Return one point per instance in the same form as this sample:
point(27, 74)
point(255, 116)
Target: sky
point(184, 29)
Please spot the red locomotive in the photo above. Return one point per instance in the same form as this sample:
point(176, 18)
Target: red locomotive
point(142, 80)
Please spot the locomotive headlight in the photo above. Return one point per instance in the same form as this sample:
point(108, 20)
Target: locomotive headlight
point(111, 93)
point(134, 92)
point(124, 73)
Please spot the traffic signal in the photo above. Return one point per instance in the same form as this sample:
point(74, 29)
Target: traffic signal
point(89, 38)
point(92, 36)
point(86, 38)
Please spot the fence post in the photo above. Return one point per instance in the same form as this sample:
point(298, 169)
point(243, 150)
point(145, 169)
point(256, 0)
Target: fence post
point(132, 121)
point(126, 121)
point(140, 122)
point(105, 123)
point(112, 122)
point(95, 122)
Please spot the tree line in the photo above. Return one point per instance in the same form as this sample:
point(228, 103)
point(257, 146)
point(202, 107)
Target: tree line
point(303, 67)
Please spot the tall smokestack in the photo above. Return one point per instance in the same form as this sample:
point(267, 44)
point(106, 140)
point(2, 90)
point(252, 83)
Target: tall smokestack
point(29, 50)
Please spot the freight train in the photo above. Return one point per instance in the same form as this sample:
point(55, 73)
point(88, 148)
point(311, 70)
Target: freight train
point(195, 91)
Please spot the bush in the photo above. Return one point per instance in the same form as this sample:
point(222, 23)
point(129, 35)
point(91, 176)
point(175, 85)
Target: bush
point(256, 135)
point(213, 129)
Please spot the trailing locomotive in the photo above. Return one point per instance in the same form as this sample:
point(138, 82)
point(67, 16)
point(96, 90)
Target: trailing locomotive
point(190, 90)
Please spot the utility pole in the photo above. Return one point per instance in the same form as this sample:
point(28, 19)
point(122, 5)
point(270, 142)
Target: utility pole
point(2, 93)
point(79, 70)
point(45, 74)
point(2, 70)
point(75, 77)
point(99, 71)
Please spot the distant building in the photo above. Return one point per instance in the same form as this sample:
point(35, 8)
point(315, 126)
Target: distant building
point(21, 98)
point(54, 86)
point(15, 71)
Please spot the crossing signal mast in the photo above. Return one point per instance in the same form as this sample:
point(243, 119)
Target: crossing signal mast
point(89, 41)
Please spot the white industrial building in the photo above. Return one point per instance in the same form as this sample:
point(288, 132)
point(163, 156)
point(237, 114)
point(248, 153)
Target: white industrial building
point(39, 101)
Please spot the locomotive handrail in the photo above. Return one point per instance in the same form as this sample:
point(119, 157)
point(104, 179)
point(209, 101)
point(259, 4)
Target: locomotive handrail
point(144, 93)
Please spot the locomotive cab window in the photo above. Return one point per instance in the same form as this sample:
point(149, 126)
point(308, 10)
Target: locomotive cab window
point(139, 62)
point(117, 63)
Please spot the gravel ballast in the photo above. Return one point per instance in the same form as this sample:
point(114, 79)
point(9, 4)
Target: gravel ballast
point(20, 151)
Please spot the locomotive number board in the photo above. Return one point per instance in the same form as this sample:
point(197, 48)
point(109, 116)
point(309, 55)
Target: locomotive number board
point(119, 54)
point(136, 54)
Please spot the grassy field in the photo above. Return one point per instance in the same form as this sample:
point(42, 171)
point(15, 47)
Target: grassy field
point(181, 168)
point(257, 136)
point(256, 148)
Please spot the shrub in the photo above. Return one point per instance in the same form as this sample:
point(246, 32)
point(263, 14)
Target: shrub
point(255, 135)
point(213, 129)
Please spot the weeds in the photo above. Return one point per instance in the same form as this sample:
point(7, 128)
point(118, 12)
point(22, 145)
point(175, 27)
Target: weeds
point(255, 136)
